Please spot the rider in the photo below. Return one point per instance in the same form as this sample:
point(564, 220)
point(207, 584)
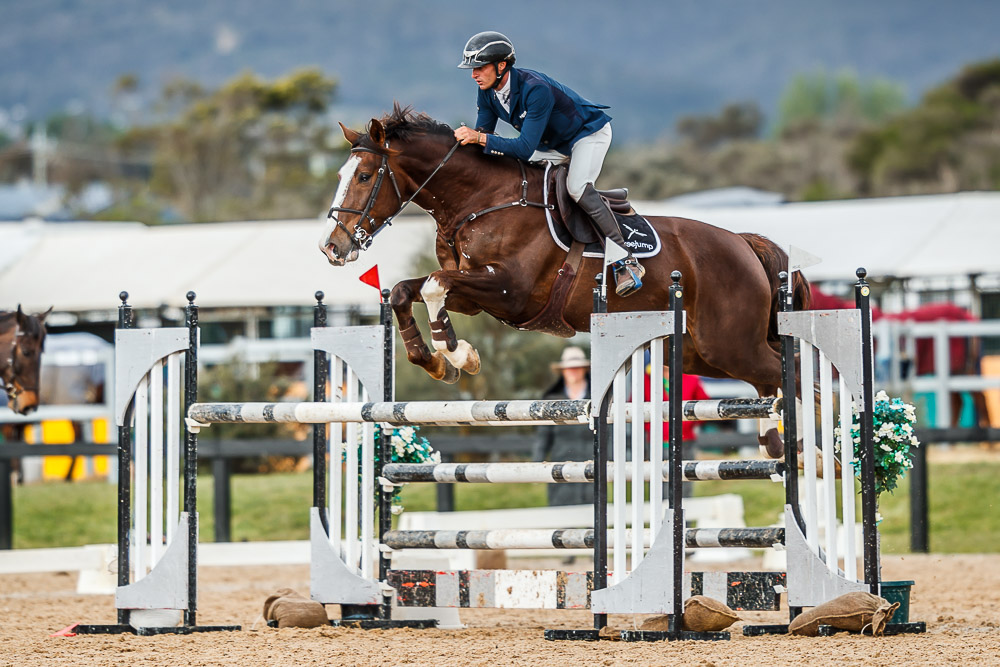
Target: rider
point(555, 124)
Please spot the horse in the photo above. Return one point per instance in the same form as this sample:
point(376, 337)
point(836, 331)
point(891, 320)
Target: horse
point(498, 257)
point(22, 338)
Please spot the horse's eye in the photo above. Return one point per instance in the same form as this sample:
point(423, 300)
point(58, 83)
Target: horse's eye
point(364, 178)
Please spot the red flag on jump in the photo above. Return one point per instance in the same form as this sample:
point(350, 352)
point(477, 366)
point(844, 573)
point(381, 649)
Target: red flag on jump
point(370, 277)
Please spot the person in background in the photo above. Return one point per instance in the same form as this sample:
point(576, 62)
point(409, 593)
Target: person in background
point(691, 390)
point(568, 443)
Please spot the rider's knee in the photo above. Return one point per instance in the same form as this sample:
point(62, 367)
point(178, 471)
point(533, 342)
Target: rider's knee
point(575, 190)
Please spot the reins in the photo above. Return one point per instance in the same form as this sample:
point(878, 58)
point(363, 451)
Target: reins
point(362, 239)
point(523, 201)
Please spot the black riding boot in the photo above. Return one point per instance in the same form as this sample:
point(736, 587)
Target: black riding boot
point(628, 272)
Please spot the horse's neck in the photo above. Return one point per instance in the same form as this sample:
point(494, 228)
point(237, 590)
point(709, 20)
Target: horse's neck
point(471, 183)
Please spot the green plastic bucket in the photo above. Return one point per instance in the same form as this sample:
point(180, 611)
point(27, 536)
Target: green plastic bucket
point(898, 591)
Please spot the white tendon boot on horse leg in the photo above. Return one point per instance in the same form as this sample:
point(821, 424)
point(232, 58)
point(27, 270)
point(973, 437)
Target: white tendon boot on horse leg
point(459, 352)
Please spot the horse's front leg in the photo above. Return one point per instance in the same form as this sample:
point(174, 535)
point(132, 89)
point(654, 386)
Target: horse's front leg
point(462, 290)
point(436, 364)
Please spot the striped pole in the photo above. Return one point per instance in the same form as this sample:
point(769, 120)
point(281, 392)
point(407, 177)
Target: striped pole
point(571, 472)
point(491, 413)
point(573, 538)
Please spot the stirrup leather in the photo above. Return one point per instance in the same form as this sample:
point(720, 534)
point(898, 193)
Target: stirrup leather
point(628, 276)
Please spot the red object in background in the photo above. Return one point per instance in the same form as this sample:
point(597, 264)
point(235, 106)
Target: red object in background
point(958, 351)
point(823, 301)
point(691, 390)
point(370, 277)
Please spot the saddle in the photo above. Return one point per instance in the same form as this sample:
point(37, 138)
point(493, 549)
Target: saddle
point(568, 214)
point(568, 223)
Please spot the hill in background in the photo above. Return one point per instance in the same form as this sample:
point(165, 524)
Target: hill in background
point(651, 61)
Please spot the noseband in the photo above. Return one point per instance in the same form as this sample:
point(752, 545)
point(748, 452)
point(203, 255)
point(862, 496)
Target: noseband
point(360, 237)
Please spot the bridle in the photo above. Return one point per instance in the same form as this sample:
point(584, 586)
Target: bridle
point(11, 367)
point(361, 239)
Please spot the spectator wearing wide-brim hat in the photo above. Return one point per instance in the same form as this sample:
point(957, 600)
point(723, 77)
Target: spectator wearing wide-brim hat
point(568, 443)
point(572, 357)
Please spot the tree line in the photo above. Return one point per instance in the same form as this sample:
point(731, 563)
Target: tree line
point(253, 148)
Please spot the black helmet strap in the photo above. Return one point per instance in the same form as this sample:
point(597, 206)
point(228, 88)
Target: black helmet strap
point(496, 68)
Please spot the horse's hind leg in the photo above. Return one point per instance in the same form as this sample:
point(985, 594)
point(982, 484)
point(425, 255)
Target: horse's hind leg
point(402, 298)
point(761, 368)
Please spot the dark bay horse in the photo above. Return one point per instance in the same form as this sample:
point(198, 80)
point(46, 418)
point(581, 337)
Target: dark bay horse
point(22, 337)
point(504, 262)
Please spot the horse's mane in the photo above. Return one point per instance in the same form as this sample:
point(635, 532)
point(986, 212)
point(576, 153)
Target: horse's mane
point(403, 124)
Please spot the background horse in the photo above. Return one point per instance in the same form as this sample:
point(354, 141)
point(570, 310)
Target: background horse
point(21, 340)
point(504, 262)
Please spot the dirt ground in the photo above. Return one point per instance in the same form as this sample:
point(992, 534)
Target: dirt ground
point(958, 597)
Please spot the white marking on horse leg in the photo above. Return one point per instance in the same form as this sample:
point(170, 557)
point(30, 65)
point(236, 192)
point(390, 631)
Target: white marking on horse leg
point(346, 175)
point(464, 356)
point(766, 424)
point(434, 295)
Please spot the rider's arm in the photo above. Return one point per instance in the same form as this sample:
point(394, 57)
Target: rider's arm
point(539, 103)
point(486, 118)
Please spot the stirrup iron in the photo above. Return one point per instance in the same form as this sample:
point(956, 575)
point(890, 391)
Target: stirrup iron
point(628, 276)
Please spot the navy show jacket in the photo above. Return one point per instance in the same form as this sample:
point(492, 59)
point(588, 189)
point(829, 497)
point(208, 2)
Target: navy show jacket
point(548, 115)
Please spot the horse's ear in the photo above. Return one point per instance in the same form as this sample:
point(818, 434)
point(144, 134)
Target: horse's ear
point(42, 316)
point(349, 134)
point(20, 314)
point(376, 132)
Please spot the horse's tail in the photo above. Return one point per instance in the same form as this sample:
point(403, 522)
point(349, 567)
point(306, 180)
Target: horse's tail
point(774, 261)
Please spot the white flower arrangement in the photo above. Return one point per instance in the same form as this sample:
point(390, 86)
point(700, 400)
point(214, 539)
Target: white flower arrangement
point(893, 422)
point(406, 446)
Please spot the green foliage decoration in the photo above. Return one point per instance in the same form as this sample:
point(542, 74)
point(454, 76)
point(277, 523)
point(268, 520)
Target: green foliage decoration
point(893, 422)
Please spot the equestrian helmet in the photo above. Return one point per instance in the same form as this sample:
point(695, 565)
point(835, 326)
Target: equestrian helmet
point(486, 47)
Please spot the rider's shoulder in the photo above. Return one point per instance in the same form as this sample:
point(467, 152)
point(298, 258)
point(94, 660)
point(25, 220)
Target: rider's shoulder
point(535, 83)
point(530, 77)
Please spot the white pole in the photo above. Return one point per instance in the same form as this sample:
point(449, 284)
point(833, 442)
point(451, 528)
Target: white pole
point(619, 511)
point(139, 539)
point(942, 366)
point(351, 479)
point(829, 481)
point(173, 442)
point(335, 496)
point(656, 436)
point(367, 494)
point(156, 462)
point(847, 483)
point(808, 422)
point(638, 455)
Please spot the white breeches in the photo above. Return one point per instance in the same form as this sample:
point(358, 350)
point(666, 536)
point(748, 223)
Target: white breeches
point(584, 163)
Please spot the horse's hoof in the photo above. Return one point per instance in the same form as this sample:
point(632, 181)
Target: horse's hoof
point(472, 363)
point(449, 374)
point(771, 444)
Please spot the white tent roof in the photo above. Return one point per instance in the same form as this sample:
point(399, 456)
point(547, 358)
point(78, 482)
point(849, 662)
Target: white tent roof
point(934, 235)
point(82, 266)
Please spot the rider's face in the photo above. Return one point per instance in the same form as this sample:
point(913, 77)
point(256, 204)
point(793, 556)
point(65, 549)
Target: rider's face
point(486, 75)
